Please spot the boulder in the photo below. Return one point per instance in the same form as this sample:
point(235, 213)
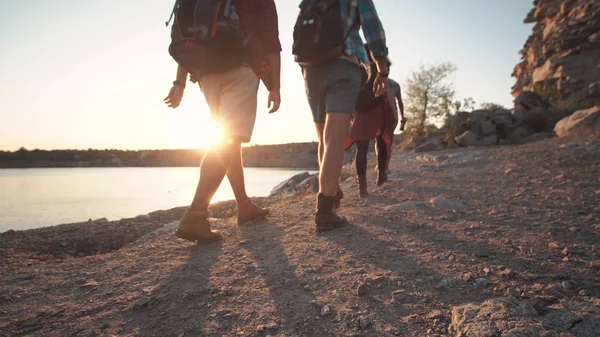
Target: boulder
point(518, 114)
point(428, 146)
point(529, 100)
point(487, 127)
point(587, 328)
point(309, 184)
point(489, 140)
point(480, 114)
point(288, 187)
point(581, 122)
point(519, 134)
point(469, 138)
point(537, 120)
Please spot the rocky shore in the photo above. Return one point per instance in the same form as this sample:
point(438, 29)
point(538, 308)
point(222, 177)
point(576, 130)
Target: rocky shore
point(494, 241)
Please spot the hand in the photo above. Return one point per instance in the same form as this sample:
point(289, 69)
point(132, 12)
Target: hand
point(175, 95)
point(193, 78)
point(274, 100)
point(380, 85)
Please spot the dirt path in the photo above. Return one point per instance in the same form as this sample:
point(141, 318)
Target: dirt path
point(516, 222)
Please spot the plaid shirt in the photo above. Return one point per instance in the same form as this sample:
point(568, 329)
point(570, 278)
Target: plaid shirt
point(362, 14)
point(258, 18)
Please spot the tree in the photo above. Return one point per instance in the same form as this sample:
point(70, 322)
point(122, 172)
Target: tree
point(491, 106)
point(429, 95)
point(467, 104)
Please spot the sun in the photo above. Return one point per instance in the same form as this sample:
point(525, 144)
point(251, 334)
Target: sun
point(199, 135)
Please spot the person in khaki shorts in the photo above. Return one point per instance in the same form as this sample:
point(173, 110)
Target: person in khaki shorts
point(232, 98)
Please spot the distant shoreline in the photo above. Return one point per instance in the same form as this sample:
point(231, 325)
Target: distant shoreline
point(292, 155)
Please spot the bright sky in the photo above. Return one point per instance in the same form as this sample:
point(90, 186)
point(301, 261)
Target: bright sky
point(92, 74)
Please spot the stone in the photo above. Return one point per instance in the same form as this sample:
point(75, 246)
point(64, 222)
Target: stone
point(537, 120)
point(508, 273)
point(538, 287)
point(400, 295)
point(468, 277)
point(442, 203)
point(364, 323)
point(405, 206)
point(519, 134)
point(325, 311)
point(560, 320)
point(427, 147)
point(518, 114)
point(595, 264)
point(468, 138)
point(496, 317)
point(529, 100)
point(482, 282)
point(435, 314)
point(582, 121)
point(487, 127)
point(288, 187)
point(589, 327)
point(311, 183)
point(478, 115)
point(142, 302)
point(488, 140)
point(361, 290)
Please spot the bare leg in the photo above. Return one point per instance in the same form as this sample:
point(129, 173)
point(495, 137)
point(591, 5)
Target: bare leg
point(320, 131)
point(336, 129)
point(214, 166)
point(235, 174)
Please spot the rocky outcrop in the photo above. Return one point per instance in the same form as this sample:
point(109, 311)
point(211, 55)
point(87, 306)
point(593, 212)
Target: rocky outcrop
point(301, 182)
point(532, 118)
point(561, 59)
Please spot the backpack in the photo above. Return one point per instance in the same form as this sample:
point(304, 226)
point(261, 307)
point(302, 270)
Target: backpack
point(206, 37)
point(367, 100)
point(319, 33)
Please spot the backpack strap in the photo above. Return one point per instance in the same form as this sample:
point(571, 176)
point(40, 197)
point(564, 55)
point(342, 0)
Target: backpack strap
point(172, 13)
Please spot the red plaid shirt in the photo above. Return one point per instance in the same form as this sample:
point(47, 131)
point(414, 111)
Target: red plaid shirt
point(259, 18)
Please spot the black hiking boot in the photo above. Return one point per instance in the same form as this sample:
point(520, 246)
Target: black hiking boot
point(326, 219)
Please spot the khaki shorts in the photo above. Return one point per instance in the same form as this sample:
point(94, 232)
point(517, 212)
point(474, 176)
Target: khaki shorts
point(231, 97)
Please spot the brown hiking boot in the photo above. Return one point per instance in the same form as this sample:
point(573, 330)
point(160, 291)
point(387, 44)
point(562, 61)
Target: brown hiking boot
point(248, 211)
point(362, 187)
point(326, 219)
point(194, 226)
point(381, 177)
point(337, 202)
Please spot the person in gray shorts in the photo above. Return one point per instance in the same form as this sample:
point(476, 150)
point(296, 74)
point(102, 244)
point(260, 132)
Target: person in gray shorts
point(332, 90)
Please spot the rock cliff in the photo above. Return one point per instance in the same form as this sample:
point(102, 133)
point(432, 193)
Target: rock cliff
point(561, 59)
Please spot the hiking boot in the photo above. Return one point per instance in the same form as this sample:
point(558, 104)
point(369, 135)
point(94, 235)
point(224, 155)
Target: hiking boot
point(403, 123)
point(362, 187)
point(248, 211)
point(326, 219)
point(194, 226)
point(381, 177)
point(337, 202)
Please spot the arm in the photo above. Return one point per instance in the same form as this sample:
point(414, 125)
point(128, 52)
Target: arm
point(176, 94)
point(374, 34)
point(400, 103)
point(268, 33)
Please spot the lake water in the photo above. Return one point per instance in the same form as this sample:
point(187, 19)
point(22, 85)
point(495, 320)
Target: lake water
point(31, 198)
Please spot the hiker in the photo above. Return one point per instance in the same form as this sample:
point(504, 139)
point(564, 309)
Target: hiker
point(394, 97)
point(329, 49)
point(228, 61)
point(374, 118)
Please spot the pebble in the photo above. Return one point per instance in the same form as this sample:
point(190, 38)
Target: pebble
point(468, 277)
point(325, 311)
point(508, 273)
point(142, 302)
point(482, 282)
point(595, 264)
point(537, 287)
point(400, 295)
point(435, 314)
point(364, 323)
point(361, 290)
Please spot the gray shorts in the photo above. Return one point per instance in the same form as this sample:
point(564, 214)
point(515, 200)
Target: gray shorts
point(332, 88)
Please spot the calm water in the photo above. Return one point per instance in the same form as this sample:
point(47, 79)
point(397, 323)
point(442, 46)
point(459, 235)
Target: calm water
point(45, 197)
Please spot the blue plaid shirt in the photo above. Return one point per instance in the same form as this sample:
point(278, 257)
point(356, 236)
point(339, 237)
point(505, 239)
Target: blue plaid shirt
point(362, 14)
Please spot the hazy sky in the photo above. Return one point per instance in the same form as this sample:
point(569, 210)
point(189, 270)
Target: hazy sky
point(92, 74)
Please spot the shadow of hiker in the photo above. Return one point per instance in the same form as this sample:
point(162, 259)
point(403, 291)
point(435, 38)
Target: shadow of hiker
point(179, 304)
point(291, 299)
